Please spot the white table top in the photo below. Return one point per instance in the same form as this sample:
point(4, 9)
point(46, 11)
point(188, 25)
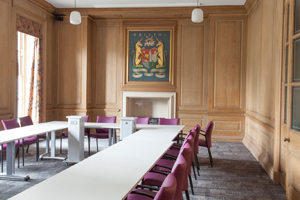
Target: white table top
point(118, 126)
point(110, 174)
point(101, 125)
point(29, 131)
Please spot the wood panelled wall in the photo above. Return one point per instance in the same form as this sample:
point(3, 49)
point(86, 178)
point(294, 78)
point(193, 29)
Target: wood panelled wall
point(208, 71)
point(224, 69)
point(85, 70)
point(263, 76)
point(40, 12)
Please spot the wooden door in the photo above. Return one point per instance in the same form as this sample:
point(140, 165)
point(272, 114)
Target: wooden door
point(291, 99)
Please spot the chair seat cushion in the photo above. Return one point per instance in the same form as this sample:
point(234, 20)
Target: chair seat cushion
point(202, 143)
point(154, 179)
point(99, 135)
point(30, 140)
point(164, 162)
point(140, 197)
point(5, 145)
point(42, 135)
point(64, 134)
point(174, 152)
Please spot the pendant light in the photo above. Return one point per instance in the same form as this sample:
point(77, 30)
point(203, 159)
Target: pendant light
point(197, 15)
point(75, 17)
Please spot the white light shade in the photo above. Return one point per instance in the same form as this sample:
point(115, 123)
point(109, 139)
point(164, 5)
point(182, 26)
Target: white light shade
point(197, 15)
point(75, 18)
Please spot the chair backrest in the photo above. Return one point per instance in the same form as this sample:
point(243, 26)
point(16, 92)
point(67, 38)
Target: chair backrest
point(10, 124)
point(167, 189)
point(102, 119)
point(25, 121)
point(197, 129)
point(187, 153)
point(86, 119)
point(208, 132)
point(164, 121)
point(143, 120)
point(179, 171)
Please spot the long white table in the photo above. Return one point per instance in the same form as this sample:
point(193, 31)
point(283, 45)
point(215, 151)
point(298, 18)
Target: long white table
point(110, 174)
point(11, 135)
point(112, 127)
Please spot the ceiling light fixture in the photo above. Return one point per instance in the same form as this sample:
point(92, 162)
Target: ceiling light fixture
point(197, 15)
point(75, 17)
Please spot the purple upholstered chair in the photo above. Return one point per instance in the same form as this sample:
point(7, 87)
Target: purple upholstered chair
point(207, 142)
point(142, 120)
point(27, 121)
point(166, 192)
point(187, 151)
point(197, 129)
point(9, 124)
point(165, 121)
point(156, 178)
point(65, 134)
point(102, 133)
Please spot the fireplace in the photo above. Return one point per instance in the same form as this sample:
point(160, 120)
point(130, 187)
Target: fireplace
point(149, 104)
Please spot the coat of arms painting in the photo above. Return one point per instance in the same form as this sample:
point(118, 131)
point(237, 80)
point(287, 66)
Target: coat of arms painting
point(149, 58)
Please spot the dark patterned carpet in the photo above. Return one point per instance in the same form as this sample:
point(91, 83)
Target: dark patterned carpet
point(235, 174)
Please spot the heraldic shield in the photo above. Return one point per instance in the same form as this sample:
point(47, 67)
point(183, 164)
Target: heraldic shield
point(149, 56)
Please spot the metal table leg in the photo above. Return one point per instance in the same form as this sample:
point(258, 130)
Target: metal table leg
point(109, 136)
point(10, 166)
point(53, 144)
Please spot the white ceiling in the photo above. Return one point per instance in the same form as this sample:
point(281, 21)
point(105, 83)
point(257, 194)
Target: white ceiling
point(140, 3)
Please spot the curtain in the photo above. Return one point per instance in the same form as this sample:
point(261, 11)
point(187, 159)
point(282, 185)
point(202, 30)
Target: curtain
point(35, 100)
point(35, 85)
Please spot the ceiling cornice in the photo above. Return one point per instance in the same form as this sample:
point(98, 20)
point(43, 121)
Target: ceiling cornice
point(152, 13)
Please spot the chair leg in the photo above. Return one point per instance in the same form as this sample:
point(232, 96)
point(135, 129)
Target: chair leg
point(193, 166)
point(60, 144)
point(197, 163)
point(89, 140)
point(191, 184)
point(210, 157)
point(97, 144)
point(37, 148)
point(18, 154)
point(187, 195)
point(1, 158)
point(27, 148)
point(23, 152)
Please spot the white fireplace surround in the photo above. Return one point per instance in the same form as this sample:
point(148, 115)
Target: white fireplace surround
point(151, 104)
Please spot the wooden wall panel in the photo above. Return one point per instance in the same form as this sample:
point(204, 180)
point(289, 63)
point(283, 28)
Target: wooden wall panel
point(6, 71)
point(190, 121)
point(50, 64)
point(253, 59)
point(294, 175)
point(263, 68)
point(106, 90)
point(227, 127)
point(69, 78)
point(259, 140)
point(283, 154)
point(193, 73)
point(227, 64)
point(260, 71)
point(227, 68)
point(267, 72)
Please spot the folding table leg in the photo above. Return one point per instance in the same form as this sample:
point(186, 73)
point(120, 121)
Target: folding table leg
point(23, 152)
point(1, 158)
point(109, 136)
point(37, 148)
point(10, 166)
